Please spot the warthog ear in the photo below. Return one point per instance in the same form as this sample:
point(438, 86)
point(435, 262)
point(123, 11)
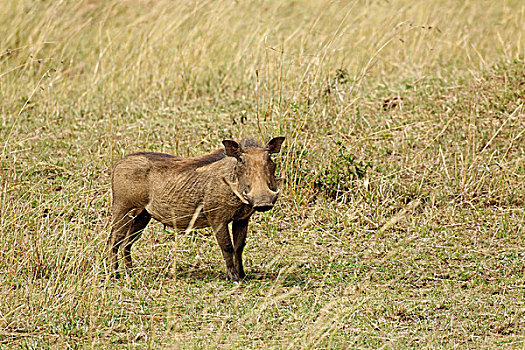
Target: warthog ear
point(232, 148)
point(274, 145)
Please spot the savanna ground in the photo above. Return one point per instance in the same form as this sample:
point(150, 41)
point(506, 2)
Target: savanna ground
point(401, 222)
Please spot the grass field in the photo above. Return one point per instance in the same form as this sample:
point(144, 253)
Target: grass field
point(401, 222)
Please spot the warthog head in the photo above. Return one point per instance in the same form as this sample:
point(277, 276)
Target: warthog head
point(255, 184)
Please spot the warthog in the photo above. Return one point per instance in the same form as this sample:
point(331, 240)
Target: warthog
point(227, 185)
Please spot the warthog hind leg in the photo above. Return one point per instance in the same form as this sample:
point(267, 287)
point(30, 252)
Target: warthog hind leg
point(126, 228)
point(137, 226)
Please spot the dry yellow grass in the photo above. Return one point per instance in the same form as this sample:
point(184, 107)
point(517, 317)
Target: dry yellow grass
point(401, 223)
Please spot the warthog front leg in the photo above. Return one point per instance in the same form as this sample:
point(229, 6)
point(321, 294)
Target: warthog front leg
point(239, 228)
point(223, 238)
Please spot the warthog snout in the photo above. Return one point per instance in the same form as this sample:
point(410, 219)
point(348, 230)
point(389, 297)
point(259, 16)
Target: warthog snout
point(263, 201)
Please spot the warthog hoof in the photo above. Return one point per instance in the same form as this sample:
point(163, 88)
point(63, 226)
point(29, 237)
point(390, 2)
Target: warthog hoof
point(234, 276)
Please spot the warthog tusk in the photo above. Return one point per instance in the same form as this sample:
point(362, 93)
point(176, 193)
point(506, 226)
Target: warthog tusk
point(235, 189)
point(275, 193)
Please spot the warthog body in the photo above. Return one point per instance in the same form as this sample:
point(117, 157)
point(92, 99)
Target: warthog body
point(227, 185)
